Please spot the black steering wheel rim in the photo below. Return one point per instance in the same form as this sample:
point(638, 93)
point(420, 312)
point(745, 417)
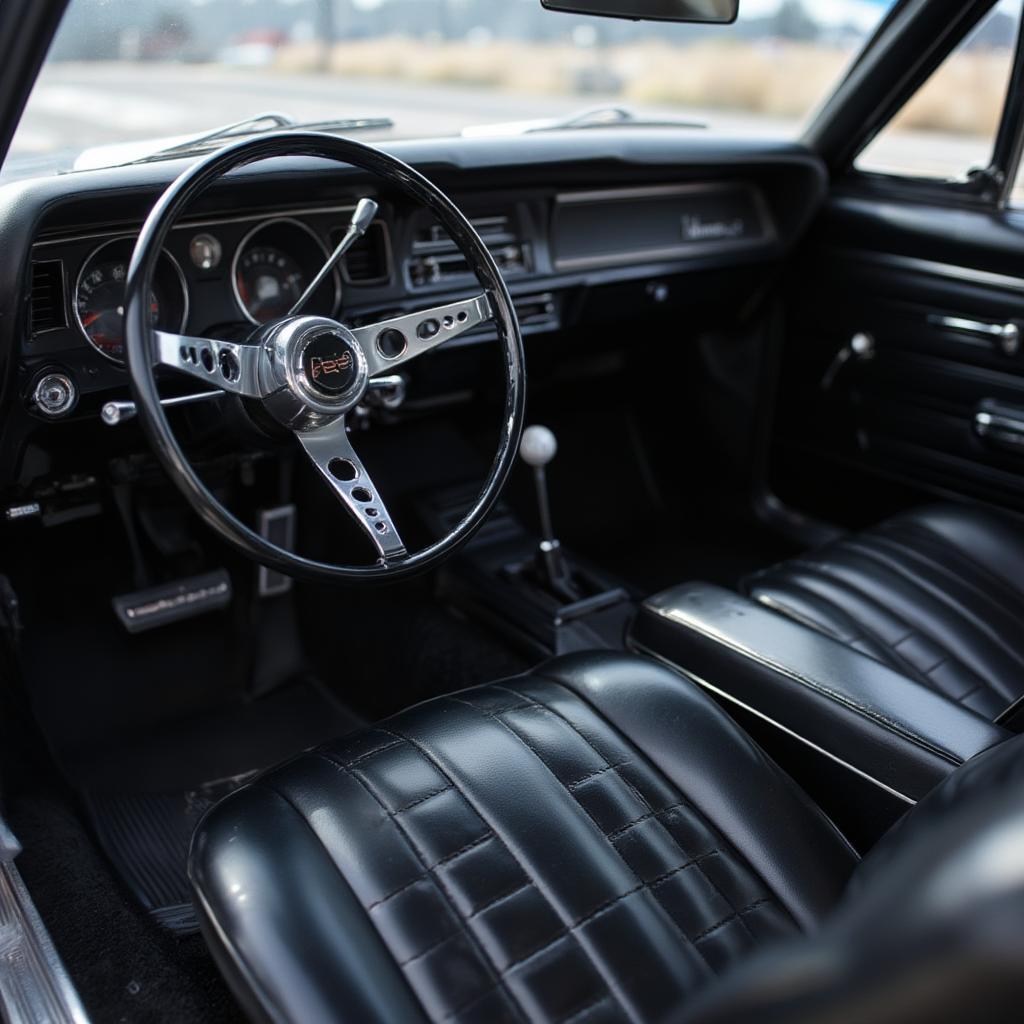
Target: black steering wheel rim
point(139, 344)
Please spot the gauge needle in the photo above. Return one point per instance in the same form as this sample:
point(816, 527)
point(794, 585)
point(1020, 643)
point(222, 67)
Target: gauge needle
point(90, 319)
point(363, 216)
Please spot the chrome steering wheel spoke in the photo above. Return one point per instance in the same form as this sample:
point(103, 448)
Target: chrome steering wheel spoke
point(308, 373)
point(390, 343)
point(331, 451)
point(223, 364)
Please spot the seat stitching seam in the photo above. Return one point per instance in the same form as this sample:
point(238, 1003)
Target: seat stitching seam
point(867, 631)
point(959, 608)
point(432, 948)
point(397, 810)
point(395, 892)
point(370, 753)
point(573, 786)
point(623, 829)
point(430, 757)
point(749, 908)
point(497, 976)
point(447, 859)
point(528, 884)
point(643, 799)
point(948, 547)
point(602, 909)
point(422, 799)
point(569, 930)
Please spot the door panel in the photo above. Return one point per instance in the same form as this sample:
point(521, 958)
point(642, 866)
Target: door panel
point(930, 404)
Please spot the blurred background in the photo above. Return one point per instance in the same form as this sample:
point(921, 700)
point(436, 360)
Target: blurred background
point(137, 69)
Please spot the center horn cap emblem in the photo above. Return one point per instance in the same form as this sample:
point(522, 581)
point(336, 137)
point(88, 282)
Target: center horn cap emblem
point(326, 369)
point(330, 365)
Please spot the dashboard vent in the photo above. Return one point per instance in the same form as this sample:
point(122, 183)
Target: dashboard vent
point(436, 258)
point(47, 300)
point(369, 260)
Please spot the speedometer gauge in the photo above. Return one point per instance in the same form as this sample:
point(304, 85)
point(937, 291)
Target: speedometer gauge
point(272, 267)
point(269, 282)
point(99, 297)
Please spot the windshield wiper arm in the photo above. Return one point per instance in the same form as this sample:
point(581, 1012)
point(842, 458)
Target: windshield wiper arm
point(610, 117)
point(266, 122)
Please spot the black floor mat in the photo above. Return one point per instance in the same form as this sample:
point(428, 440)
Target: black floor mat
point(124, 968)
point(145, 801)
point(147, 836)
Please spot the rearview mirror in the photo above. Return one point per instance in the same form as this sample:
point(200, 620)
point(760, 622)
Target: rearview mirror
point(713, 12)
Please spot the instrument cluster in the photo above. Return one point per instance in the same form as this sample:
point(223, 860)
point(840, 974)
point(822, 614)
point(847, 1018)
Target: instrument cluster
point(227, 275)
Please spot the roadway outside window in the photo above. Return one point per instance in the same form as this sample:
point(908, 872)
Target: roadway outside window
point(123, 73)
point(949, 127)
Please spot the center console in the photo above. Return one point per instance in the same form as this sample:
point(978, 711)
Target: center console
point(865, 741)
point(528, 588)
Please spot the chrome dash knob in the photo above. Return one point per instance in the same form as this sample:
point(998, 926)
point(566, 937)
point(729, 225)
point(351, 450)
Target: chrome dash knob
point(55, 395)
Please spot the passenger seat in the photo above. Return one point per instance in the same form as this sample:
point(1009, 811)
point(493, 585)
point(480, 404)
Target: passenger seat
point(937, 594)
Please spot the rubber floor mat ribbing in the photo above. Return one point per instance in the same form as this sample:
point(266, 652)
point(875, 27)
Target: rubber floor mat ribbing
point(145, 797)
point(147, 835)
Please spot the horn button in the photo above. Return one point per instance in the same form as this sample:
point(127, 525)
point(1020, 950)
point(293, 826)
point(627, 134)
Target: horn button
point(329, 365)
point(317, 369)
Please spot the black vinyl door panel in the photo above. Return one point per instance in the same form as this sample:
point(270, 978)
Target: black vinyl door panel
point(930, 396)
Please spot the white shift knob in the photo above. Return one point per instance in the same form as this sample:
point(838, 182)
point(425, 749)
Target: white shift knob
point(539, 446)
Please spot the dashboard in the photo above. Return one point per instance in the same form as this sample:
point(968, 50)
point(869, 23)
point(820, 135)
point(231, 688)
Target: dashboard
point(592, 230)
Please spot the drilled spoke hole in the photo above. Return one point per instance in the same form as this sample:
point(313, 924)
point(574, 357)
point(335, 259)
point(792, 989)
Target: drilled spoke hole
point(229, 368)
point(380, 527)
point(343, 470)
point(391, 344)
point(361, 494)
point(372, 513)
point(207, 359)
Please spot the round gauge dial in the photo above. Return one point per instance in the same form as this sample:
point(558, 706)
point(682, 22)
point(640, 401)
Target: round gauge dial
point(99, 297)
point(269, 282)
point(272, 267)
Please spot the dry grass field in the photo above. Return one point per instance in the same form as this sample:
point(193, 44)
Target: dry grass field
point(772, 79)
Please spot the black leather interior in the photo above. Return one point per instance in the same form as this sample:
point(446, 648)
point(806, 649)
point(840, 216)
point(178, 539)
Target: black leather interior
point(928, 931)
point(937, 594)
point(593, 841)
point(597, 841)
point(887, 727)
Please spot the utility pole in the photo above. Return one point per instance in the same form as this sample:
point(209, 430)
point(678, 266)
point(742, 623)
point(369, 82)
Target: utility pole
point(325, 27)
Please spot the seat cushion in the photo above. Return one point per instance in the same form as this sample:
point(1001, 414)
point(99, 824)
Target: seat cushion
point(594, 841)
point(937, 594)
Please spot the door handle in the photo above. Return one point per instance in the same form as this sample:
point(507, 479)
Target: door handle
point(1000, 425)
point(1005, 337)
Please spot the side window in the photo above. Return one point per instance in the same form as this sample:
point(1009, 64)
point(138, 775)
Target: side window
point(949, 127)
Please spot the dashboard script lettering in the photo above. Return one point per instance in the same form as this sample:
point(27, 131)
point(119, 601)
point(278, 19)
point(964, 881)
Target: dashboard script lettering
point(696, 229)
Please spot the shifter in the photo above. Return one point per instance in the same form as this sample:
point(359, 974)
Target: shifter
point(539, 446)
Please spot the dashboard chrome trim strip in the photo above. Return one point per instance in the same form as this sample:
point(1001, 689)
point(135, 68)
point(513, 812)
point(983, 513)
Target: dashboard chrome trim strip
point(191, 225)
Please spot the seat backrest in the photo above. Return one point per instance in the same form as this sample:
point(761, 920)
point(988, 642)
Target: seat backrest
point(931, 927)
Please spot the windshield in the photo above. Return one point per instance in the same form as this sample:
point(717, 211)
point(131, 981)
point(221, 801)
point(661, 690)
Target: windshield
point(124, 71)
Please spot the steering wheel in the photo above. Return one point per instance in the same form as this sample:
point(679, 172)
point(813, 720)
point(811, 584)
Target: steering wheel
point(310, 372)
